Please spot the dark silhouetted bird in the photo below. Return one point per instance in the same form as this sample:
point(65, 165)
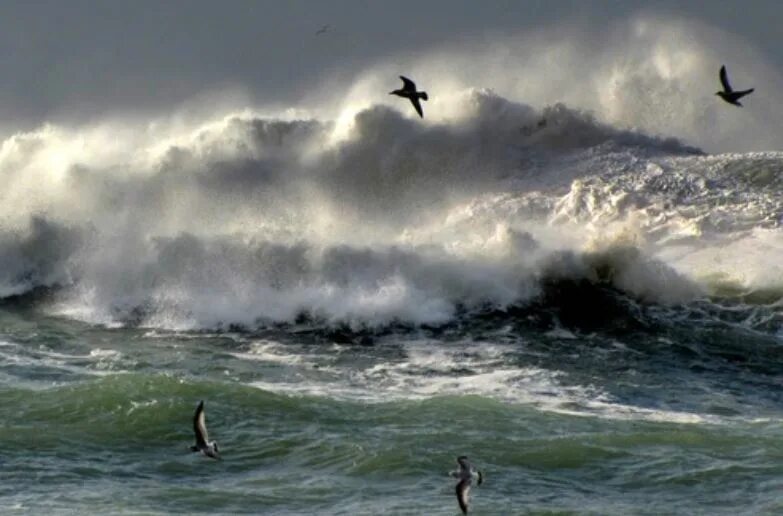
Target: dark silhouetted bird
point(465, 475)
point(203, 444)
point(409, 92)
point(323, 30)
point(728, 94)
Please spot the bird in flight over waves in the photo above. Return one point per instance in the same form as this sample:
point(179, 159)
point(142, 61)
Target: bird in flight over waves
point(465, 474)
point(409, 92)
point(203, 444)
point(728, 94)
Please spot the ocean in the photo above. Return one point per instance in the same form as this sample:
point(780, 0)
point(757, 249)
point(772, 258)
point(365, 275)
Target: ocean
point(590, 312)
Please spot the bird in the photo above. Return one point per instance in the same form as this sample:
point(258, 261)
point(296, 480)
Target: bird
point(465, 475)
point(409, 92)
point(203, 444)
point(323, 30)
point(728, 94)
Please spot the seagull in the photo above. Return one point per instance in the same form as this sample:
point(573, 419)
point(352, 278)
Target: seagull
point(465, 475)
point(323, 30)
point(728, 94)
point(408, 91)
point(203, 444)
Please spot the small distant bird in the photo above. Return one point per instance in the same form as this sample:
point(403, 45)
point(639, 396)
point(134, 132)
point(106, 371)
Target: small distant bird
point(728, 94)
point(203, 444)
point(323, 30)
point(465, 475)
point(409, 92)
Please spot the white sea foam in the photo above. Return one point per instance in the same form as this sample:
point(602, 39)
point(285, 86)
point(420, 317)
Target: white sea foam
point(368, 216)
point(68, 364)
point(429, 369)
point(271, 352)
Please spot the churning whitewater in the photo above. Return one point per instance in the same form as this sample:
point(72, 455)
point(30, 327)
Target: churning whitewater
point(249, 221)
point(569, 278)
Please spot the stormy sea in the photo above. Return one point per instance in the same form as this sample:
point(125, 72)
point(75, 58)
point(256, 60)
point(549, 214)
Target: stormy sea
point(583, 294)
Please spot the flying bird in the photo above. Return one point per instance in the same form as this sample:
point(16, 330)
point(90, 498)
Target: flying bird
point(728, 94)
point(323, 30)
point(465, 475)
point(203, 444)
point(409, 92)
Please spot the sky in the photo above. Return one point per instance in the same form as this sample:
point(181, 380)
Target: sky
point(77, 60)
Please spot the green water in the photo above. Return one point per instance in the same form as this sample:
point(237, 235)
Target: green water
point(98, 421)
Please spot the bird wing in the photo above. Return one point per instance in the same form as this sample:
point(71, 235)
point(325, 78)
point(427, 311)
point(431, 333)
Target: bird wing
point(408, 85)
point(463, 488)
point(742, 93)
point(724, 79)
point(200, 426)
point(417, 105)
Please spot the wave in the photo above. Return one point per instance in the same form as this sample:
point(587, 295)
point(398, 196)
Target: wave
point(371, 217)
point(256, 221)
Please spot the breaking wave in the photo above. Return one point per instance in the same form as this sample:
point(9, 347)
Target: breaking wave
point(369, 217)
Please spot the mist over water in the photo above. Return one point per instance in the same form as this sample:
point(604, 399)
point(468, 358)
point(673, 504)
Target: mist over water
point(248, 219)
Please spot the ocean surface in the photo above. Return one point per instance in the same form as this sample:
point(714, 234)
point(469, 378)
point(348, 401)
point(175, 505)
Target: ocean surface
point(592, 314)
